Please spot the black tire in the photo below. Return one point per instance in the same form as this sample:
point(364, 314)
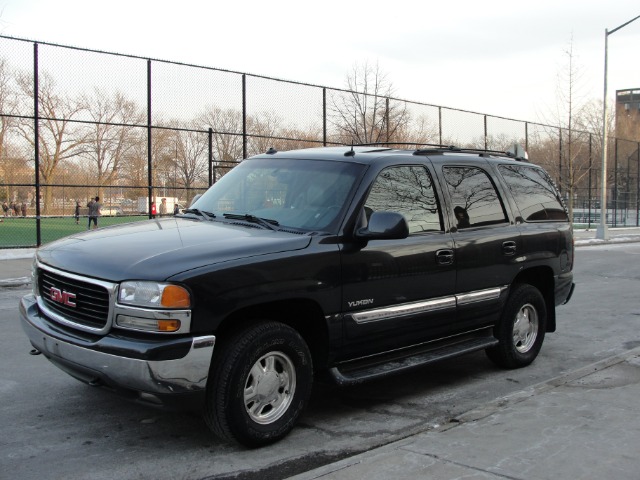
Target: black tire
point(259, 384)
point(521, 329)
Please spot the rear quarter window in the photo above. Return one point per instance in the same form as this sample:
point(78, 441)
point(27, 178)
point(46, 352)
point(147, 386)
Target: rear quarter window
point(474, 198)
point(534, 193)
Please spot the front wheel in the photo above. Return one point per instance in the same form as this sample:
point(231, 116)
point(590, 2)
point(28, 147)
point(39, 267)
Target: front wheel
point(259, 384)
point(521, 329)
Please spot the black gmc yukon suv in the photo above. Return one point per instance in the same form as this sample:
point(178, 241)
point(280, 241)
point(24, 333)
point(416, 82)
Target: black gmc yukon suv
point(351, 262)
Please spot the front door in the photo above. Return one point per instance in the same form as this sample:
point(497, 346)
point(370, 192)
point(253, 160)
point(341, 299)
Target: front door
point(398, 293)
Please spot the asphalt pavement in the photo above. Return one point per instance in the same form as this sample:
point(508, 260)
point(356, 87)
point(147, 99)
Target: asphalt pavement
point(580, 426)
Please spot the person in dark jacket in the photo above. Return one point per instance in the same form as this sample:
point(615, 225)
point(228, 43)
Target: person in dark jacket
point(77, 212)
point(462, 217)
point(94, 212)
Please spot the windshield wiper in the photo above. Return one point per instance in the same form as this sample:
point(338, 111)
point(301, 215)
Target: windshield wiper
point(202, 213)
point(265, 222)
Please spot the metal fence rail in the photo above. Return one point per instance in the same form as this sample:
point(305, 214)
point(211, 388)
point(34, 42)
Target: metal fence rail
point(134, 130)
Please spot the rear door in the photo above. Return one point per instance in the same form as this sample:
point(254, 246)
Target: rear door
point(487, 241)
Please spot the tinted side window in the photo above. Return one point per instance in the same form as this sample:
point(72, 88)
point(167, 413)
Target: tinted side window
point(407, 190)
point(474, 197)
point(534, 193)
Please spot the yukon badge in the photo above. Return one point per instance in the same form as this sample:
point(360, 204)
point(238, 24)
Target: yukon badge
point(63, 297)
point(360, 303)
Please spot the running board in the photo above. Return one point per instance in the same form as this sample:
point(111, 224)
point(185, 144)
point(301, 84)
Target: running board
point(369, 369)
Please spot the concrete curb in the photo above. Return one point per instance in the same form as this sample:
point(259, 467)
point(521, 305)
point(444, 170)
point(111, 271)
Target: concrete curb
point(16, 253)
point(15, 282)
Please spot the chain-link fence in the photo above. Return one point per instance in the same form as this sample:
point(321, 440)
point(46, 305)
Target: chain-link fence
point(134, 131)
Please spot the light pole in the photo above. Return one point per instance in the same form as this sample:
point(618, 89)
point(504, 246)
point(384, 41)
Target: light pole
point(602, 232)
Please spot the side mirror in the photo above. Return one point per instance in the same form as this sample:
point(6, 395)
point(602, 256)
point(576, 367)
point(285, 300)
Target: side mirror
point(384, 226)
point(195, 199)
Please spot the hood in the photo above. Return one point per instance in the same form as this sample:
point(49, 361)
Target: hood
point(159, 249)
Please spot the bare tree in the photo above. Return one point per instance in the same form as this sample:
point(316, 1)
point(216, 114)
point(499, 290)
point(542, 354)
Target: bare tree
point(8, 107)
point(112, 136)
point(227, 136)
point(264, 128)
point(569, 107)
point(293, 138)
point(134, 169)
point(59, 137)
point(190, 160)
point(366, 113)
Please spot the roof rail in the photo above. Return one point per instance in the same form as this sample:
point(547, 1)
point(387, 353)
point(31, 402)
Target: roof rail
point(480, 151)
point(404, 144)
point(434, 148)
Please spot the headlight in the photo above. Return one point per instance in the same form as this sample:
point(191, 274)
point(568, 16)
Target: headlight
point(153, 295)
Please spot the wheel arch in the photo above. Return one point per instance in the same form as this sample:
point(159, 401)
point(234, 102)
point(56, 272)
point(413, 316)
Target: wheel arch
point(542, 278)
point(303, 315)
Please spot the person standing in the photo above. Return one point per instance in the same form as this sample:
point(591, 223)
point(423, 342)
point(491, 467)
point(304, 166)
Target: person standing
point(94, 212)
point(153, 210)
point(163, 207)
point(88, 215)
point(23, 209)
point(77, 212)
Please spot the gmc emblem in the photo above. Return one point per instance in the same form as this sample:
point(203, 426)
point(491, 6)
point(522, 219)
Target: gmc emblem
point(59, 296)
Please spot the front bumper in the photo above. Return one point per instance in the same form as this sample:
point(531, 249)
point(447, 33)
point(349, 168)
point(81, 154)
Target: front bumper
point(152, 370)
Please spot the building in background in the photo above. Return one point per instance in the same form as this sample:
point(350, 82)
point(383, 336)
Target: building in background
point(628, 114)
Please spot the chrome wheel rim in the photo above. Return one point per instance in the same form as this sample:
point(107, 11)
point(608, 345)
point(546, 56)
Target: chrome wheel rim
point(269, 388)
point(525, 328)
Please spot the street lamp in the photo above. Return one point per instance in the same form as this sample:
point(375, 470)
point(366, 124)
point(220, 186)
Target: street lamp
point(602, 232)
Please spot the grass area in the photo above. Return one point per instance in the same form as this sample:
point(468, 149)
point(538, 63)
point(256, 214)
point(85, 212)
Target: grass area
point(21, 232)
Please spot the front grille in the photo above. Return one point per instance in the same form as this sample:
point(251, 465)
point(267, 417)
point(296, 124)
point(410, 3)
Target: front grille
point(91, 300)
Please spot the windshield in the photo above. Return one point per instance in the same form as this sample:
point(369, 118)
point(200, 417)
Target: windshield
point(301, 194)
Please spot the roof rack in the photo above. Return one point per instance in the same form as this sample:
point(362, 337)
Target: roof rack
point(435, 148)
point(480, 151)
point(405, 144)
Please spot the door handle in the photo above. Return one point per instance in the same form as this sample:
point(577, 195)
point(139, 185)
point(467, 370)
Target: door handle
point(509, 248)
point(444, 257)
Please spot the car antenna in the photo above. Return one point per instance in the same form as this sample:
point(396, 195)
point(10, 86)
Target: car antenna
point(350, 153)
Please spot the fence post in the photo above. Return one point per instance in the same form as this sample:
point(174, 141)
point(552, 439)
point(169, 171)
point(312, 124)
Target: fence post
point(560, 159)
point(324, 116)
point(526, 136)
point(590, 183)
point(36, 140)
point(244, 116)
point(149, 142)
point(386, 116)
point(486, 139)
point(615, 183)
point(440, 125)
point(212, 172)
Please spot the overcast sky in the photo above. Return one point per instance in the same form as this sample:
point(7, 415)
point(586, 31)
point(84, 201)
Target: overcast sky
point(493, 56)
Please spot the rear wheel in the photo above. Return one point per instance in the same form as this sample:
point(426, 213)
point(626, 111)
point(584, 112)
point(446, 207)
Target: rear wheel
point(259, 384)
point(521, 329)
